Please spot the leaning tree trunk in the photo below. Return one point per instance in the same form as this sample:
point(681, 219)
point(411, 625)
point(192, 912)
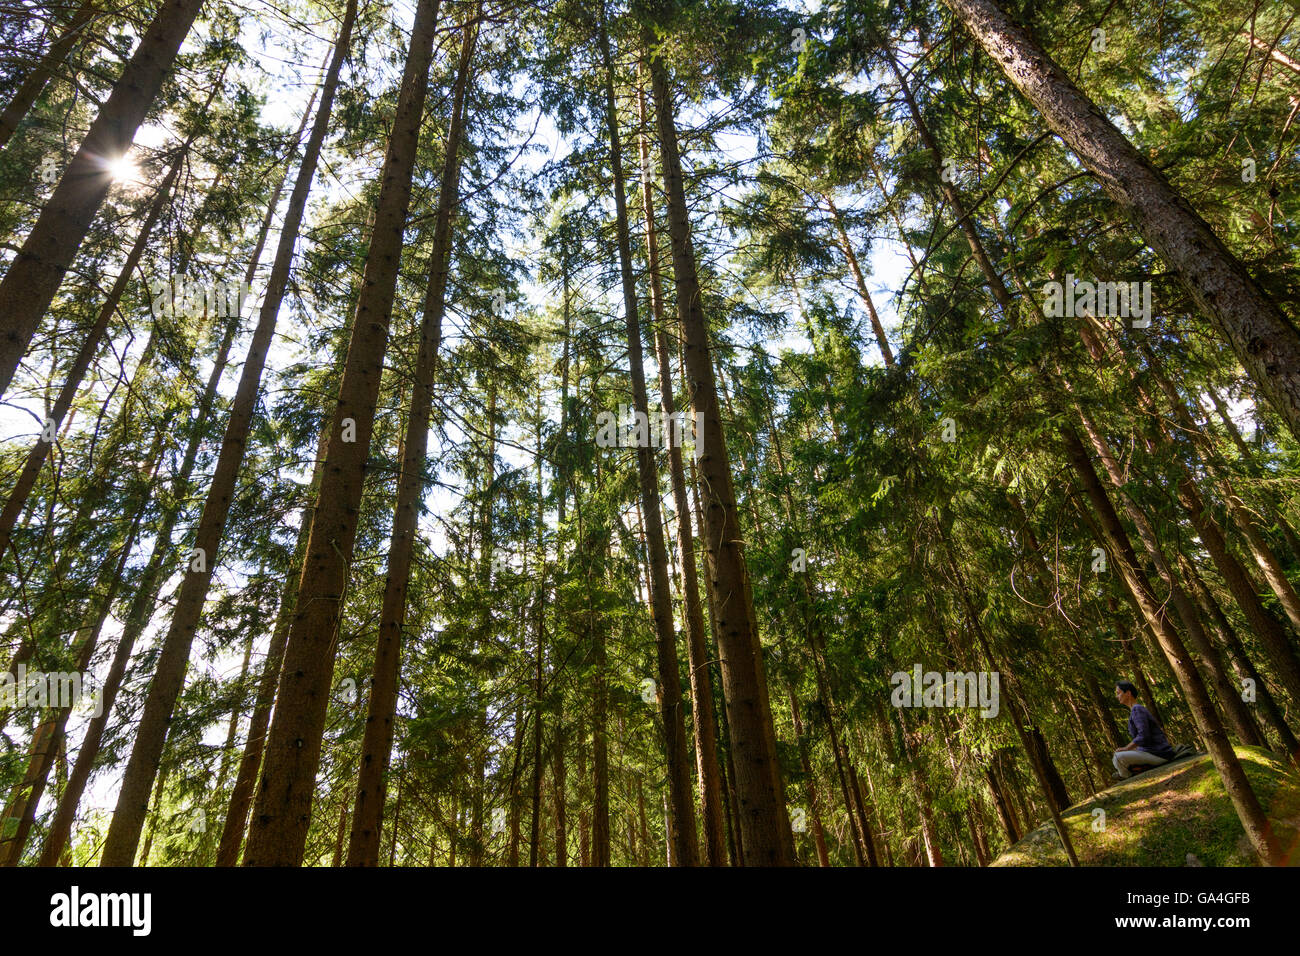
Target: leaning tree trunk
point(156, 572)
point(1241, 662)
point(1266, 627)
point(35, 81)
point(377, 744)
point(282, 814)
point(1235, 709)
point(250, 762)
point(765, 822)
point(50, 734)
point(169, 675)
point(33, 278)
point(1265, 340)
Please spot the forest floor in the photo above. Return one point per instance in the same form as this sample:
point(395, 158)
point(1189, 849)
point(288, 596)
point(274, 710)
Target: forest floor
point(1160, 816)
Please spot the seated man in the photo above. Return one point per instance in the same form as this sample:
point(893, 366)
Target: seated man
point(1149, 746)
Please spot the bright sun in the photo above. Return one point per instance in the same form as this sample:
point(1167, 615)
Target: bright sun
point(123, 170)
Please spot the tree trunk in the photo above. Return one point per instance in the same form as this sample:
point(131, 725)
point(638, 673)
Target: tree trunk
point(1253, 820)
point(1243, 589)
point(40, 451)
point(1006, 813)
point(726, 766)
point(241, 796)
point(1264, 339)
point(705, 719)
point(282, 812)
point(852, 259)
point(50, 734)
point(682, 834)
point(377, 745)
point(169, 675)
point(34, 82)
point(34, 276)
point(764, 820)
point(558, 790)
point(810, 786)
point(1229, 699)
point(1241, 661)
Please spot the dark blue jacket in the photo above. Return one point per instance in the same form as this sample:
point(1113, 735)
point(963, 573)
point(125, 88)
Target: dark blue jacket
point(1145, 729)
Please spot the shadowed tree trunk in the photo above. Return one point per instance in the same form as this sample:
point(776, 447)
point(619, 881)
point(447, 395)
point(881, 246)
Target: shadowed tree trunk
point(682, 834)
point(1253, 821)
point(50, 734)
point(93, 338)
point(705, 719)
point(34, 82)
point(250, 762)
point(1264, 339)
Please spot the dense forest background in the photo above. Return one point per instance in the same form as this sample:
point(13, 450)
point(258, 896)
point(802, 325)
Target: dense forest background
point(327, 330)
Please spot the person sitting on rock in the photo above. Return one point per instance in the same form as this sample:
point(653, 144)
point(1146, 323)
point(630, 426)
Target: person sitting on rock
point(1149, 746)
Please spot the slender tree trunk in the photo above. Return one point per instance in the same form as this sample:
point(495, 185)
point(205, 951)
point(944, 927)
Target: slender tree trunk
point(764, 819)
point(851, 258)
point(810, 786)
point(1243, 589)
point(600, 834)
point(377, 744)
point(584, 818)
point(726, 767)
point(340, 833)
point(1006, 813)
point(282, 812)
point(535, 821)
point(40, 451)
point(241, 797)
point(1241, 662)
point(477, 800)
point(146, 846)
point(1035, 748)
point(1253, 820)
point(50, 734)
point(558, 790)
point(161, 561)
point(682, 818)
point(34, 82)
point(1229, 699)
point(702, 710)
point(863, 818)
point(169, 676)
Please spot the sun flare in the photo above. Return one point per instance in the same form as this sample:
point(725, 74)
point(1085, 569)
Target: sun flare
point(123, 170)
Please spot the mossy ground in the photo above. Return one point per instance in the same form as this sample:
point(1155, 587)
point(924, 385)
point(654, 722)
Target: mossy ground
point(1159, 816)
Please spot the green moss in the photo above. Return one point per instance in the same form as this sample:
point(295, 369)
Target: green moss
point(1158, 817)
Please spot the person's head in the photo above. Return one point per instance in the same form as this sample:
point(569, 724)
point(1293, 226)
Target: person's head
point(1126, 693)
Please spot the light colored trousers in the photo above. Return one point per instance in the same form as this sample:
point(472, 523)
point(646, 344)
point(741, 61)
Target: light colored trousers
point(1124, 759)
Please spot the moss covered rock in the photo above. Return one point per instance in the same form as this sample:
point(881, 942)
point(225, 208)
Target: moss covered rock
point(1172, 815)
